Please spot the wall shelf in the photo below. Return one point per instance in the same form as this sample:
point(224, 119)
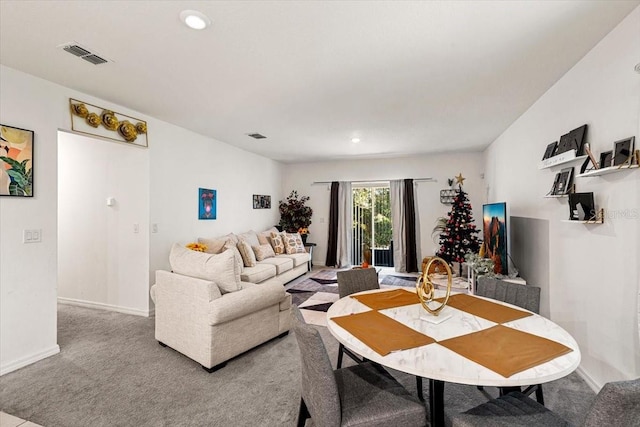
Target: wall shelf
point(561, 159)
point(599, 219)
point(606, 171)
point(556, 196)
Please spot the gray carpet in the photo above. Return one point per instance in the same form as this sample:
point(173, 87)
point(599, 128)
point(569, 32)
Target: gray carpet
point(112, 372)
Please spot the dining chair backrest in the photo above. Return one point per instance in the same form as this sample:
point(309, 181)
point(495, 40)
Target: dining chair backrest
point(357, 280)
point(319, 387)
point(617, 404)
point(525, 296)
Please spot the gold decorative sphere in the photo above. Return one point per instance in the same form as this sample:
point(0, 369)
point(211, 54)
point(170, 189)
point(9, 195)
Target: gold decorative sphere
point(93, 120)
point(426, 289)
point(80, 110)
point(127, 131)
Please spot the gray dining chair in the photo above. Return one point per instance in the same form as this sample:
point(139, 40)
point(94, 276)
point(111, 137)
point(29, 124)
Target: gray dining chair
point(360, 395)
point(617, 405)
point(525, 296)
point(350, 282)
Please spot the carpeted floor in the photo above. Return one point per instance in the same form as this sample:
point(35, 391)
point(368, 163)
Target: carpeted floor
point(112, 372)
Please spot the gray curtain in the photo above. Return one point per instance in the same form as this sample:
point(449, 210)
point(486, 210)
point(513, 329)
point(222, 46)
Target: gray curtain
point(345, 225)
point(396, 196)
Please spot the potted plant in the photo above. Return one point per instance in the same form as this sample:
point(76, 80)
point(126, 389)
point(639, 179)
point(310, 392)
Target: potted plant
point(294, 214)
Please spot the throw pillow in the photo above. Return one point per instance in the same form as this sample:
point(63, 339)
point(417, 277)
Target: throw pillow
point(248, 256)
point(263, 251)
point(277, 243)
point(216, 268)
point(214, 246)
point(265, 237)
point(237, 258)
point(293, 243)
point(250, 237)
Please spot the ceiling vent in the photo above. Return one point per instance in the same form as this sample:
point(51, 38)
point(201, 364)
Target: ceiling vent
point(256, 135)
point(82, 52)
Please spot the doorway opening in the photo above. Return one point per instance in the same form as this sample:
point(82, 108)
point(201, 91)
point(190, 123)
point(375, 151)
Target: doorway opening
point(372, 224)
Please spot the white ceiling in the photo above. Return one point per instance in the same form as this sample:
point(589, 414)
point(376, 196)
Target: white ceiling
point(406, 77)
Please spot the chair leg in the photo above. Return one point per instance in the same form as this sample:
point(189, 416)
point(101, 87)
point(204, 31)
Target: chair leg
point(303, 413)
point(340, 354)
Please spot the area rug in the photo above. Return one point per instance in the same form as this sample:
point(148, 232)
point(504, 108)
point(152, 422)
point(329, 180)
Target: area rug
point(317, 293)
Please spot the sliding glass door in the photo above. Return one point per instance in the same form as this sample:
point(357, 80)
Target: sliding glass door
point(372, 224)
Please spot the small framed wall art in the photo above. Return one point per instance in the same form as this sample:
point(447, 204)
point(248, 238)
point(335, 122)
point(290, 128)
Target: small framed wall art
point(563, 182)
point(16, 161)
point(207, 203)
point(606, 158)
point(581, 207)
point(550, 151)
point(623, 150)
point(261, 201)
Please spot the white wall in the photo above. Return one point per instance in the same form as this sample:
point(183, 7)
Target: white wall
point(101, 259)
point(300, 177)
point(593, 269)
point(179, 161)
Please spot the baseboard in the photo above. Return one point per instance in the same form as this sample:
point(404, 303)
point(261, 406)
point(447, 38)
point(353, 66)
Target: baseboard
point(103, 306)
point(21, 363)
point(593, 385)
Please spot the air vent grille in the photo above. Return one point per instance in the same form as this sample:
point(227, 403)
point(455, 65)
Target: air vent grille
point(256, 135)
point(94, 59)
point(84, 53)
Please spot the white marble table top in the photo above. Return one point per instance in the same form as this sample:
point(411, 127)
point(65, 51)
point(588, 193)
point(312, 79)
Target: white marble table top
point(439, 363)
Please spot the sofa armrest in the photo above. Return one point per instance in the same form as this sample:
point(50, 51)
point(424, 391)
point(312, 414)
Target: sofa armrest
point(189, 286)
point(246, 301)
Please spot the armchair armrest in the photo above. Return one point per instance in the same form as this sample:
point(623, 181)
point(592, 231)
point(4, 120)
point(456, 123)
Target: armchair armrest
point(248, 300)
point(190, 287)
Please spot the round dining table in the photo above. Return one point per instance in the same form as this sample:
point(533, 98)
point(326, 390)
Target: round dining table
point(439, 363)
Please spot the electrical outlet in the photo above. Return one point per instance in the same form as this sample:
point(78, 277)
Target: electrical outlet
point(136, 228)
point(154, 228)
point(321, 220)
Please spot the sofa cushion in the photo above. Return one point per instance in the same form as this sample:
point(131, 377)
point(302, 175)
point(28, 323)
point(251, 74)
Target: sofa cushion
point(298, 259)
point(277, 242)
point(238, 263)
point(216, 268)
point(250, 237)
point(293, 243)
point(214, 246)
point(282, 264)
point(259, 273)
point(230, 236)
point(248, 256)
point(245, 303)
point(263, 252)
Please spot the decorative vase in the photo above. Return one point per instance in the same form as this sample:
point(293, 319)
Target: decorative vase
point(304, 238)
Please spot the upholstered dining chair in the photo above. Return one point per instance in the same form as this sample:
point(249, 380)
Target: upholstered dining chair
point(616, 405)
point(361, 395)
point(350, 282)
point(525, 296)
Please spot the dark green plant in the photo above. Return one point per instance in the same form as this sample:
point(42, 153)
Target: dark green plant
point(21, 178)
point(294, 214)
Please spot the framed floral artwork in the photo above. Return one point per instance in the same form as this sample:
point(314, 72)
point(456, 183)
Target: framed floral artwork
point(16, 161)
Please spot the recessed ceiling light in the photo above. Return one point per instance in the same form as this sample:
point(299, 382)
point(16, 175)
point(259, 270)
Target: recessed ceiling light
point(355, 140)
point(194, 19)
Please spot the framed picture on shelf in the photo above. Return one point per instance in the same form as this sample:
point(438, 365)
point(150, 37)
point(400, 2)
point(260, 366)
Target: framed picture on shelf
point(622, 150)
point(581, 207)
point(606, 158)
point(550, 151)
point(16, 161)
point(563, 184)
point(555, 184)
point(573, 140)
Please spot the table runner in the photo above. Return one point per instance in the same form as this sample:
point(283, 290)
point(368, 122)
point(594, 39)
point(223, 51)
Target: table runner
point(388, 299)
point(505, 350)
point(381, 333)
point(486, 309)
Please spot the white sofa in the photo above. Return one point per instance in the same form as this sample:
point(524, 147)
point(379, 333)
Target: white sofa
point(211, 310)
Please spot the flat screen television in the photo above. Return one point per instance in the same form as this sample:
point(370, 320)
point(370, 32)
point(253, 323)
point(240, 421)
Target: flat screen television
point(494, 232)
